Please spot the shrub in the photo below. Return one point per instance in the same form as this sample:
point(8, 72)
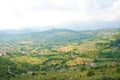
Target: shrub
point(83, 68)
point(118, 69)
point(90, 73)
point(107, 78)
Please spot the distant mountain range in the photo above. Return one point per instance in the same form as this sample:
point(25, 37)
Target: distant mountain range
point(90, 25)
point(78, 26)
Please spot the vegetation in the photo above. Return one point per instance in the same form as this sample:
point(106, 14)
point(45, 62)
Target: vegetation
point(60, 55)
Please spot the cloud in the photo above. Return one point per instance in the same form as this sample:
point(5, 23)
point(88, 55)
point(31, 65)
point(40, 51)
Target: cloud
point(103, 4)
point(110, 13)
point(22, 13)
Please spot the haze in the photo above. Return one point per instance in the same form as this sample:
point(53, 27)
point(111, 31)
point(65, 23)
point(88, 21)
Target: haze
point(17, 14)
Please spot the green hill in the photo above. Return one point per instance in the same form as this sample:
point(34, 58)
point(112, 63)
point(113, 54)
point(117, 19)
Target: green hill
point(60, 54)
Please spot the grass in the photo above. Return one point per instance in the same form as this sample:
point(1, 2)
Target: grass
point(29, 59)
point(71, 75)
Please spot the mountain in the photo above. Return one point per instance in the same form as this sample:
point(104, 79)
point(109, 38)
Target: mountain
point(77, 26)
point(85, 25)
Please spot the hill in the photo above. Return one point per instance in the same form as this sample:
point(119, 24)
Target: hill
point(68, 54)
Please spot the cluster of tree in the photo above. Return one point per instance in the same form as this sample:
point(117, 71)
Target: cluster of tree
point(110, 48)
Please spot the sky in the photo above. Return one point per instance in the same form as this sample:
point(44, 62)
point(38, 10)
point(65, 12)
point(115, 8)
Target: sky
point(16, 14)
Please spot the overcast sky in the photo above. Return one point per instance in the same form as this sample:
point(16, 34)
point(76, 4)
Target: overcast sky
point(25, 13)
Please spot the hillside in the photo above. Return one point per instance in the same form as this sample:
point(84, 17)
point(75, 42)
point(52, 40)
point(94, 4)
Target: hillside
point(60, 54)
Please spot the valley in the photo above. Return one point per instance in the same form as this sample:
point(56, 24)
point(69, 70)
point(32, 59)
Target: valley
point(60, 54)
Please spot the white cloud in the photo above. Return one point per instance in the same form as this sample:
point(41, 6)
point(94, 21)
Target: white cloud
point(22, 13)
point(110, 13)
